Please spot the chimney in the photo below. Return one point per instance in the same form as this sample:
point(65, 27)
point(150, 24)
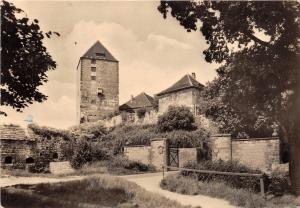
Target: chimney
point(194, 75)
point(131, 97)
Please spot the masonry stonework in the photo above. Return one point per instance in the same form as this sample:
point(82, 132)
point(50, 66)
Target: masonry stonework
point(138, 153)
point(221, 147)
point(259, 153)
point(98, 78)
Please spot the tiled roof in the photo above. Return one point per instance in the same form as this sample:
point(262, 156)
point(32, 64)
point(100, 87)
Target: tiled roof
point(98, 51)
point(141, 100)
point(13, 132)
point(187, 81)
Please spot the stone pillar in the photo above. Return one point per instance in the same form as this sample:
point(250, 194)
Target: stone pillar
point(221, 147)
point(159, 152)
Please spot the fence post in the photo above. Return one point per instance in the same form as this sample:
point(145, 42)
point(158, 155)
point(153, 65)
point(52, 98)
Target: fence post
point(262, 187)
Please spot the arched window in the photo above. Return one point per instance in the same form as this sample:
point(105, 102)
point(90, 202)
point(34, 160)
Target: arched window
point(55, 155)
point(29, 160)
point(8, 160)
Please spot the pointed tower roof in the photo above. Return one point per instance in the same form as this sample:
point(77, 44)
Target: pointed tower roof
point(98, 51)
point(187, 81)
point(139, 101)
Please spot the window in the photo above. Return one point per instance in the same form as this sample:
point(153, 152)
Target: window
point(8, 160)
point(93, 77)
point(55, 155)
point(93, 69)
point(93, 61)
point(29, 160)
point(100, 54)
point(93, 101)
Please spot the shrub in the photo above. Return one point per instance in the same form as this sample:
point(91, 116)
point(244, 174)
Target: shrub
point(278, 184)
point(121, 162)
point(89, 131)
point(87, 152)
point(176, 118)
point(247, 182)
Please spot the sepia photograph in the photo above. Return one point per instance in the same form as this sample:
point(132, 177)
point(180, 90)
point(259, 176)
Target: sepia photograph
point(149, 104)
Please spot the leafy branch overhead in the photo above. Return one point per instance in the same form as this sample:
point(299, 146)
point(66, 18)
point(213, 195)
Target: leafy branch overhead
point(25, 59)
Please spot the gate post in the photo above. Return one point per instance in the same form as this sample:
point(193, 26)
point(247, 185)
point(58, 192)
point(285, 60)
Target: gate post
point(159, 153)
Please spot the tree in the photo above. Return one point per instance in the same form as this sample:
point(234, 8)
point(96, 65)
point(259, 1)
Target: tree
point(257, 44)
point(25, 59)
point(176, 118)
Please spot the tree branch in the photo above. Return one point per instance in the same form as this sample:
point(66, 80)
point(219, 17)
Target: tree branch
point(255, 39)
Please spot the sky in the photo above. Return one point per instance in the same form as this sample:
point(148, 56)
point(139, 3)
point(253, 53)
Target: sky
point(153, 52)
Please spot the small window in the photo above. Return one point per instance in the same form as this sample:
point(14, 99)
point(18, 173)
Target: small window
point(93, 69)
point(93, 77)
point(8, 160)
point(55, 155)
point(100, 54)
point(93, 101)
point(93, 61)
point(29, 160)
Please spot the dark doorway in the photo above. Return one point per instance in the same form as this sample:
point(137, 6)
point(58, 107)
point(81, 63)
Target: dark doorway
point(29, 160)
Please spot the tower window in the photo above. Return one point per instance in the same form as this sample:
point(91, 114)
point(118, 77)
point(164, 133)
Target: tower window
point(93, 69)
point(100, 54)
point(93, 101)
point(93, 77)
point(93, 61)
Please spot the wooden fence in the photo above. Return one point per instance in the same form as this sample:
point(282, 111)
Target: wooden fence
point(259, 176)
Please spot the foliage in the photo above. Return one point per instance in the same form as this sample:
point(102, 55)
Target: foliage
point(123, 135)
point(121, 165)
point(47, 132)
point(278, 184)
point(25, 59)
point(238, 197)
point(101, 191)
point(239, 124)
point(89, 131)
point(257, 44)
point(87, 152)
point(249, 182)
point(176, 118)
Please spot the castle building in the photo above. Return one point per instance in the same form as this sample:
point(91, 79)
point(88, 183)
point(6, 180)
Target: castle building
point(184, 92)
point(98, 84)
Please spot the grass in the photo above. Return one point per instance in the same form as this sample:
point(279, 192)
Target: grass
point(237, 197)
point(115, 166)
point(101, 191)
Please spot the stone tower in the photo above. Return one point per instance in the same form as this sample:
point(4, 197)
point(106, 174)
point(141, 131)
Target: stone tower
point(98, 84)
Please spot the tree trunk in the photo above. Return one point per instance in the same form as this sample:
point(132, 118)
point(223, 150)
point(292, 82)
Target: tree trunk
point(294, 164)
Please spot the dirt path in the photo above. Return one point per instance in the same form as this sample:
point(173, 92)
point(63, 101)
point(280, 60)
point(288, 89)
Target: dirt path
point(151, 181)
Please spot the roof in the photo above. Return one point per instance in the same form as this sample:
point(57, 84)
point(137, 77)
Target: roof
point(98, 48)
point(187, 81)
point(13, 132)
point(139, 101)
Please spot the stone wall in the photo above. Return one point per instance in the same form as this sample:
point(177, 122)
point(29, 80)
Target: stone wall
point(260, 153)
point(156, 154)
point(61, 167)
point(187, 155)
point(98, 97)
point(188, 97)
point(138, 153)
point(19, 151)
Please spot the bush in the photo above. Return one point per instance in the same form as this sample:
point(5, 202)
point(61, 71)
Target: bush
point(278, 184)
point(87, 152)
point(176, 118)
point(121, 162)
point(89, 131)
point(246, 182)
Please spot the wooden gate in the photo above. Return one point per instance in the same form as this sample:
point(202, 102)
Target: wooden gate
point(173, 157)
